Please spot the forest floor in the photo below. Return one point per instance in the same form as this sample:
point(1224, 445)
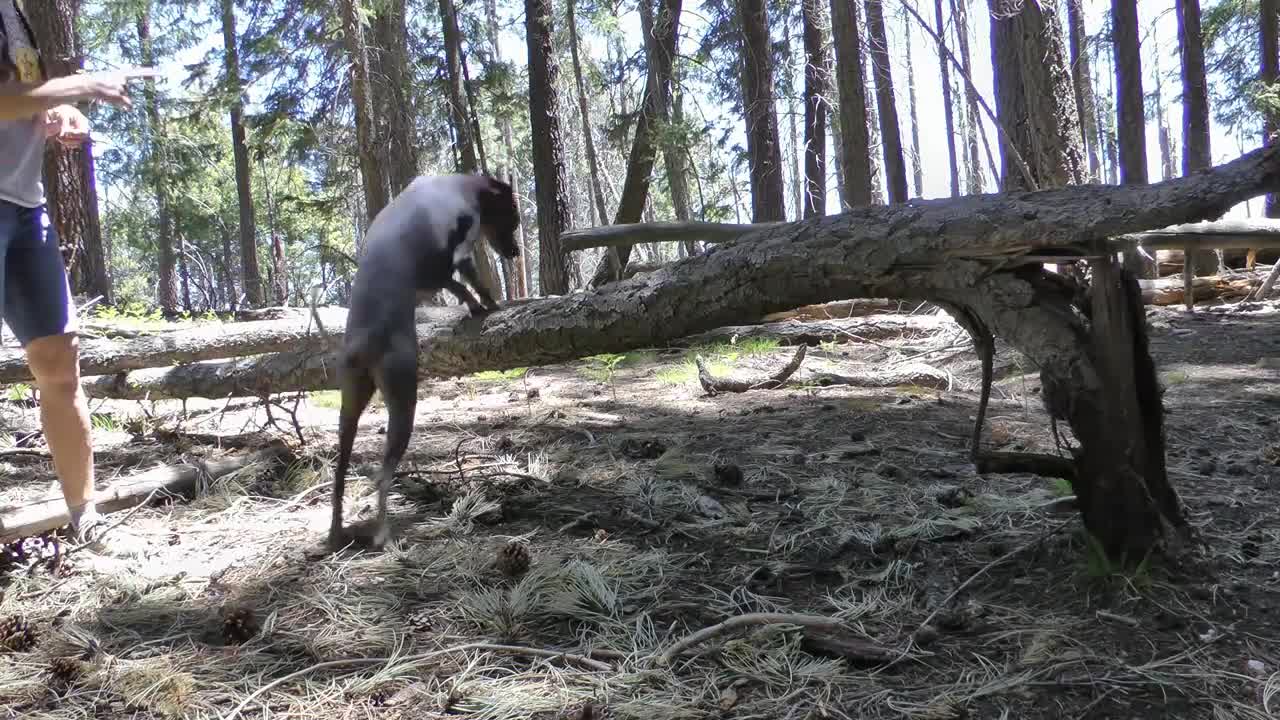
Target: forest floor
point(651, 510)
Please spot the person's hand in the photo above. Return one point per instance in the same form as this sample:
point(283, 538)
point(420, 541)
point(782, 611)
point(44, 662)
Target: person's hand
point(109, 86)
point(67, 125)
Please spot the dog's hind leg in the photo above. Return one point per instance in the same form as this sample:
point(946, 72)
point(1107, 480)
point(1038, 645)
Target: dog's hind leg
point(397, 375)
point(357, 389)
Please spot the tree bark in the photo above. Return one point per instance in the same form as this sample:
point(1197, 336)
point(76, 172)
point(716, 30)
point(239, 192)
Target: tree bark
point(250, 274)
point(764, 149)
point(1096, 369)
point(399, 111)
point(817, 79)
point(890, 133)
point(1130, 116)
point(953, 164)
point(660, 49)
point(548, 151)
point(166, 289)
point(1082, 80)
point(593, 164)
point(373, 180)
point(1269, 12)
point(70, 188)
point(466, 138)
point(917, 169)
point(1034, 95)
point(851, 88)
point(675, 158)
point(960, 11)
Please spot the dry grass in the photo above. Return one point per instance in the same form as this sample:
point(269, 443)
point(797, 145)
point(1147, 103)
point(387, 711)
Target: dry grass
point(852, 504)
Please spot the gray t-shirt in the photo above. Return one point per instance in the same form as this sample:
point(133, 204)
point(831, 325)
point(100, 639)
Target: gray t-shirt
point(21, 141)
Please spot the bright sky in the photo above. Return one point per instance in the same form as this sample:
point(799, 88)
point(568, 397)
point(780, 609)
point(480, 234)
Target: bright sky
point(1156, 19)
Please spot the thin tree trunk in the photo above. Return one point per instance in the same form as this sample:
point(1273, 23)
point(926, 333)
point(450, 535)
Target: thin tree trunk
point(1130, 116)
point(250, 274)
point(228, 281)
point(375, 189)
point(70, 188)
point(764, 150)
point(521, 269)
point(593, 165)
point(917, 169)
point(874, 144)
point(1082, 80)
point(886, 104)
point(953, 165)
point(960, 11)
point(1270, 73)
point(674, 154)
point(166, 290)
point(817, 79)
point(854, 153)
point(184, 273)
point(548, 150)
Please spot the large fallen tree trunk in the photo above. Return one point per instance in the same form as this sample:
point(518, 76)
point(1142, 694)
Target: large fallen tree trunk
point(978, 254)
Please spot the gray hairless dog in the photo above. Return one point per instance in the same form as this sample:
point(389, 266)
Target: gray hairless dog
point(413, 245)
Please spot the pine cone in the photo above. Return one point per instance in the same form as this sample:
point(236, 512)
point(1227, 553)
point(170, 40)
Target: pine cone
point(65, 670)
point(513, 558)
point(16, 635)
point(239, 626)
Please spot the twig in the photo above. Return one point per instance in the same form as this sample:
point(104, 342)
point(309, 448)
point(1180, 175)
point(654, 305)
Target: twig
point(739, 621)
point(515, 649)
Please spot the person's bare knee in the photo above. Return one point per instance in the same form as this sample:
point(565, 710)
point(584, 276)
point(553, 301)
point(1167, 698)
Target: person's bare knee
point(55, 364)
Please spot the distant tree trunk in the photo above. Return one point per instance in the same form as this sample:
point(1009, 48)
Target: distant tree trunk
point(228, 280)
point(466, 138)
point(1082, 80)
point(593, 165)
point(817, 78)
point(764, 150)
point(375, 189)
point(1131, 120)
point(548, 150)
point(520, 269)
point(166, 289)
point(1034, 96)
point(890, 133)
point(674, 156)
point(960, 12)
point(184, 274)
point(250, 275)
point(854, 153)
point(1270, 72)
point(660, 48)
point(70, 189)
point(398, 112)
point(945, 67)
point(875, 144)
point(1108, 129)
point(917, 170)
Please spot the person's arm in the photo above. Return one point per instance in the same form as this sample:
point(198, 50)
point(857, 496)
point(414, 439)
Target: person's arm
point(23, 100)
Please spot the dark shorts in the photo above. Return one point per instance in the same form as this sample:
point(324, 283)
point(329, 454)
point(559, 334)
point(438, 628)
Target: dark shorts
point(35, 297)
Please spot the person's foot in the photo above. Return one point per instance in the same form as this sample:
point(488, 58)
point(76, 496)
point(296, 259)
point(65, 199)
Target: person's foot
point(97, 535)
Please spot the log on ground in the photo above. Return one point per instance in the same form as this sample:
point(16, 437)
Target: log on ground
point(180, 480)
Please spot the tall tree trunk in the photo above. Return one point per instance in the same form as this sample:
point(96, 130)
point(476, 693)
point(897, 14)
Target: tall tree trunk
point(917, 169)
point(166, 289)
point(1082, 80)
point(1108, 129)
point(875, 144)
point(184, 273)
point(250, 274)
point(960, 11)
point(593, 165)
point(817, 78)
point(851, 87)
point(1130, 117)
point(548, 150)
point(376, 192)
point(228, 281)
point(519, 269)
point(1270, 73)
point(70, 189)
point(1034, 96)
point(674, 156)
point(398, 112)
point(764, 150)
point(660, 47)
point(948, 110)
point(466, 138)
point(886, 104)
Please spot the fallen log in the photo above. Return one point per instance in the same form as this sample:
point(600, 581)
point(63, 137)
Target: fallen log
point(968, 252)
point(713, 385)
point(1169, 291)
point(181, 480)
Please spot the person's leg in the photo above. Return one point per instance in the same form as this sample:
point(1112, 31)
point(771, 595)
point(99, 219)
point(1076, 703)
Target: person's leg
point(41, 313)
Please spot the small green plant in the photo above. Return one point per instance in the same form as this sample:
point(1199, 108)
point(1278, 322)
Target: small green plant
point(1062, 488)
point(331, 399)
point(104, 422)
point(603, 368)
point(500, 375)
point(1100, 566)
point(18, 392)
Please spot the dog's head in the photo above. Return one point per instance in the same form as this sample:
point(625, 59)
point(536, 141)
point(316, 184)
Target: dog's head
point(499, 214)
